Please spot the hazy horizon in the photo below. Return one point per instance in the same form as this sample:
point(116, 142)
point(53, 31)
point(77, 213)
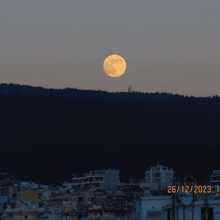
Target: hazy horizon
point(168, 46)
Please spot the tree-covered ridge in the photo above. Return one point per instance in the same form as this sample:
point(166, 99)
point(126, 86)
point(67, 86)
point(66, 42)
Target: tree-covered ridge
point(52, 136)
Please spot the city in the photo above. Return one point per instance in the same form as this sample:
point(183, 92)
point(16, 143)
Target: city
point(99, 194)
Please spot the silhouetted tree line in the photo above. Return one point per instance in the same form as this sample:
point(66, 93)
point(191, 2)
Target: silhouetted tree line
point(48, 134)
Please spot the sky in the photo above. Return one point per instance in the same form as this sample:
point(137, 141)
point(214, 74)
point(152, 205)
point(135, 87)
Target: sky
point(169, 45)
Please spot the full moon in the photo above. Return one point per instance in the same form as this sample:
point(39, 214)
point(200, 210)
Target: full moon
point(114, 65)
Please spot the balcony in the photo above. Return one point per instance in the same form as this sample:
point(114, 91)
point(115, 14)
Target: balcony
point(88, 180)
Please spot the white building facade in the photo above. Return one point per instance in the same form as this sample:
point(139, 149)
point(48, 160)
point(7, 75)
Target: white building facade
point(107, 179)
point(159, 177)
point(151, 207)
point(181, 207)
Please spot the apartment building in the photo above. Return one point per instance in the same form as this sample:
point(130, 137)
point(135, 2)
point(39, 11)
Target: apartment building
point(159, 177)
point(107, 179)
point(215, 178)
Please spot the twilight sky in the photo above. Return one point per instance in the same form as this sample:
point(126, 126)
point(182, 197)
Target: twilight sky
point(169, 45)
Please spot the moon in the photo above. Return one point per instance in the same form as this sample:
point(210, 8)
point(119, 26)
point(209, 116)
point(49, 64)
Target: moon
point(114, 65)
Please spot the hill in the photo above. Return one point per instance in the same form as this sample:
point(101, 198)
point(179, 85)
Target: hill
point(47, 134)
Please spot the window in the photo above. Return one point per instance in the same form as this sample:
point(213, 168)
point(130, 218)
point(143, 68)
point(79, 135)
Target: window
point(203, 213)
point(153, 213)
point(138, 215)
point(210, 214)
point(168, 214)
point(157, 174)
point(206, 213)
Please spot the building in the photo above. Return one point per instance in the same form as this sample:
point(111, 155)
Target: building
point(186, 207)
point(158, 177)
point(129, 89)
point(151, 207)
point(181, 206)
point(215, 178)
point(107, 179)
point(29, 185)
point(102, 215)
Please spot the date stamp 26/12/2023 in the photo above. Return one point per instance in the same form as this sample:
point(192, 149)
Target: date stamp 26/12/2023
point(191, 189)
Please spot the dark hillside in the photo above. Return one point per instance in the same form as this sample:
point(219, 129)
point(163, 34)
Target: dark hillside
point(46, 137)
